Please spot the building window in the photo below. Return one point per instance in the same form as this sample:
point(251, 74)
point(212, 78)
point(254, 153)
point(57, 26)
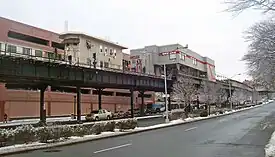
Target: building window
point(111, 51)
point(182, 56)
point(12, 49)
point(106, 49)
point(26, 51)
point(106, 65)
point(115, 52)
point(89, 62)
point(172, 55)
point(38, 53)
point(100, 48)
point(50, 55)
point(101, 64)
point(194, 61)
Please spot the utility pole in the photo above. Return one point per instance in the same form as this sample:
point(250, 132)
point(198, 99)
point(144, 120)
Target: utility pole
point(230, 94)
point(166, 100)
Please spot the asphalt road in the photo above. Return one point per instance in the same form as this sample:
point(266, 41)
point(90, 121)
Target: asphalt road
point(242, 134)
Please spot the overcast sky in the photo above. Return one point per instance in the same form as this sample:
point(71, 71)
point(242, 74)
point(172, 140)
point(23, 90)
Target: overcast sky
point(135, 23)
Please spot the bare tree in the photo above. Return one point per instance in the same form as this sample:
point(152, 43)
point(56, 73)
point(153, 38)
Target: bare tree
point(261, 53)
point(184, 89)
point(221, 95)
point(238, 6)
point(211, 91)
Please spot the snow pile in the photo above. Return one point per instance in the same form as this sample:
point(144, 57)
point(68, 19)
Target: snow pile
point(270, 147)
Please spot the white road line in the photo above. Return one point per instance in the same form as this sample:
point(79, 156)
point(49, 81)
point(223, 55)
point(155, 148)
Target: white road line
point(190, 129)
point(112, 148)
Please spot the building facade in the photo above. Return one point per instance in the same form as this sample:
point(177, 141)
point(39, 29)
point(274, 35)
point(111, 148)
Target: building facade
point(151, 59)
point(86, 49)
point(18, 100)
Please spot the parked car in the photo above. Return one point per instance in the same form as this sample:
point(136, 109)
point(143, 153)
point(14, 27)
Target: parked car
point(99, 115)
point(118, 114)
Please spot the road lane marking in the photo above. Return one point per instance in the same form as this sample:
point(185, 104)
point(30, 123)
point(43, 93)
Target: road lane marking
point(190, 129)
point(112, 148)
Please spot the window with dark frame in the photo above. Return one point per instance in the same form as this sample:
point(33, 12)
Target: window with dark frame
point(38, 53)
point(106, 65)
point(12, 49)
point(26, 51)
point(50, 55)
point(101, 64)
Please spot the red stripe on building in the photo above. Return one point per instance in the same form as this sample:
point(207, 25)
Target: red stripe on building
point(188, 56)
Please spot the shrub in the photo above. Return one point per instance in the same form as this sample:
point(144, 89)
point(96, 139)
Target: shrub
point(44, 134)
point(204, 113)
point(88, 129)
point(6, 137)
point(24, 134)
point(109, 126)
point(79, 130)
point(66, 131)
point(55, 133)
point(40, 124)
point(96, 128)
point(126, 124)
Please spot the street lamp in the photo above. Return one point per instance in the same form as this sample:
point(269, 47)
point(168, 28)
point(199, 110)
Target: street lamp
point(230, 94)
point(165, 88)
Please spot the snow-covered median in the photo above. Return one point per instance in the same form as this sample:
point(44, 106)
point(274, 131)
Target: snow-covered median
point(46, 137)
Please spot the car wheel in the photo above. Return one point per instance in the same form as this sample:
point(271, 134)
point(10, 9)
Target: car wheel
point(96, 118)
point(108, 117)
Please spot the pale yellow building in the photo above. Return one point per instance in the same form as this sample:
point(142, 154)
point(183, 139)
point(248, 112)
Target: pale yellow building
point(84, 48)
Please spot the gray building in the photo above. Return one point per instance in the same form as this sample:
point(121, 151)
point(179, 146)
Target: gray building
point(178, 60)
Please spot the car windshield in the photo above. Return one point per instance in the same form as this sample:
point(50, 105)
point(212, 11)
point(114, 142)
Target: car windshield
point(137, 78)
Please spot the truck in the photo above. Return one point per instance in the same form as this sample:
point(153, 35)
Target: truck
point(97, 115)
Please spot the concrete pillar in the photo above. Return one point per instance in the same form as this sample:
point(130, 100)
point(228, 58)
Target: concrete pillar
point(99, 98)
point(2, 111)
point(169, 102)
point(42, 104)
point(142, 103)
point(74, 103)
point(3, 97)
point(78, 98)
point(132, 103)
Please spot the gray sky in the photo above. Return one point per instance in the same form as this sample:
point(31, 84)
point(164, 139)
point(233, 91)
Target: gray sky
point(135, 23)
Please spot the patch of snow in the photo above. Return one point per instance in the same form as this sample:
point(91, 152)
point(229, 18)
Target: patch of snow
point(148, 117)
point(18, 146)
point(270, 147)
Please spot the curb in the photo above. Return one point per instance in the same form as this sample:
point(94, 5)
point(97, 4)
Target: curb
point(77, 141)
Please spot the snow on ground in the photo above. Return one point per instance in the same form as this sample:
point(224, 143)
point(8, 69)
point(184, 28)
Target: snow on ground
point(270, 147)
point(36, 120)
point(18, 146)
point(33, 121)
